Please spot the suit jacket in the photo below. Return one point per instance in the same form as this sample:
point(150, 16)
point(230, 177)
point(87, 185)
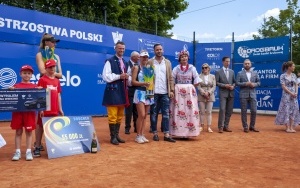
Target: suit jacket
point(170, 80)
point(221, 81)
point(210, 87)
point(246, 91)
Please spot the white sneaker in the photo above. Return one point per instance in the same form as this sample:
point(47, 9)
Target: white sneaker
point(16, 157)
point(145, 139)
point(139, 140)
point(209, 130)
point(29, 156)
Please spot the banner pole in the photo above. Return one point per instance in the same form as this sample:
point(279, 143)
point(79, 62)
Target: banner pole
point(232, 50)
point(194, 48)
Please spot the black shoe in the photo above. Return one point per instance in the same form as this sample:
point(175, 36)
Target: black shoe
point(127, 131)
point(37, 152)
point(169, 139)
point(246, 130)
point(253, 129)
point(155, 137)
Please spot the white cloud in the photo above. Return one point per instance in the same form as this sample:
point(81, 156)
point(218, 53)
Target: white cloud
point(244, 36)
point(206, 36)
point(273, 12)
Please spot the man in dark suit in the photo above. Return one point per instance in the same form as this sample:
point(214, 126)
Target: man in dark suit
point(225, 80)
point(131, 110)
point(248, 80)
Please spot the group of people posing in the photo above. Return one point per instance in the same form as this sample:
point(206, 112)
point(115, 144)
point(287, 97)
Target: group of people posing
point(184, 97)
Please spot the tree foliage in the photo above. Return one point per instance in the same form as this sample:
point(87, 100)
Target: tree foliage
point(275, 27)
point(149, 16)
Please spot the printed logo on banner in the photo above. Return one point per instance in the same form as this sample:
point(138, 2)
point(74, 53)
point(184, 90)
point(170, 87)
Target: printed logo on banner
point(8, 77)
point(214, 67)
point(184, 48)
point(266, 73)
point(117, 36)
point(100, 79)
point(264, 99)
point(147, 44)
point(245, 51)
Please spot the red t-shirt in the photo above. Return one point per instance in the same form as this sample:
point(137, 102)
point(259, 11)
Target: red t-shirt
point(54, 85)
point(25, 85)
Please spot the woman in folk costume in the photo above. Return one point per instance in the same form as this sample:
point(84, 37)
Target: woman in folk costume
point(46, 52)
point(184, 111)
point(206, 96)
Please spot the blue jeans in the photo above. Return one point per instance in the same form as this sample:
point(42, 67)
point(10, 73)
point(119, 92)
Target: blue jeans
point(161, 102)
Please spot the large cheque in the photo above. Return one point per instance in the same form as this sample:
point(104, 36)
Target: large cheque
point(23, 99)
point(68, 135)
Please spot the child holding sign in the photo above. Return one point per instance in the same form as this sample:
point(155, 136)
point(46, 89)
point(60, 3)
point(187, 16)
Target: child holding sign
point(50, 82)
point(23, 119)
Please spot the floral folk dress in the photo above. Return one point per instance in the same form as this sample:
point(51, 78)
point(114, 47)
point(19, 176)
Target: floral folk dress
point(184, 111)
point(288, 107)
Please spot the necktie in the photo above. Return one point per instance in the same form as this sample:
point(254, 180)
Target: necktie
point(122, 64)
point(227, 74)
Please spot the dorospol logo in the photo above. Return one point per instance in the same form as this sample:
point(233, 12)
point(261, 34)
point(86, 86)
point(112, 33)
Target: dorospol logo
point(8, 77)
point(242, 51)
point(117, 36)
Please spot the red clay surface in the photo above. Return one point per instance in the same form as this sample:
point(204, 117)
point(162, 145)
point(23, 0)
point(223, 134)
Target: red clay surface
point(270, 158)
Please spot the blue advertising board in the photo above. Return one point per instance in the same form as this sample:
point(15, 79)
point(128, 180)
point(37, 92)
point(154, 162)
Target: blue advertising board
point(212, 54)
point(83, 49)
point(68, 135)
point(269, 73)
point(23, 99)
point(267, 98)
point(270, 49)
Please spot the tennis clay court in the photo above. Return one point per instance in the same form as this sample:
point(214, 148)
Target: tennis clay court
point(270, 158)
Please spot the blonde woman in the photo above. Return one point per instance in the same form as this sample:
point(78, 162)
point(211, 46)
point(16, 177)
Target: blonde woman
point(206, 96)
point(141, 99)
point(46, 51)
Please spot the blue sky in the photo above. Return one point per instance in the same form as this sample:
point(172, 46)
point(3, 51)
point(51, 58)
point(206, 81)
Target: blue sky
point(216, 24)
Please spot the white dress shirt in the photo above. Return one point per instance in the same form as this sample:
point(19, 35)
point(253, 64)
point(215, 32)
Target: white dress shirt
point(160, 72)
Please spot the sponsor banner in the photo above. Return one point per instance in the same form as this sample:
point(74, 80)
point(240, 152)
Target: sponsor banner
point(269, 73)
point(23, 100)
point(267, 98)
point(271, 49)
point(68, 135)
point(27, 26)
point(212, 54)
point(82, 76)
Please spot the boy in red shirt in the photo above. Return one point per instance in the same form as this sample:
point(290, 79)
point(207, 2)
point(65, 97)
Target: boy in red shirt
point(48, 81)
point(23, 119)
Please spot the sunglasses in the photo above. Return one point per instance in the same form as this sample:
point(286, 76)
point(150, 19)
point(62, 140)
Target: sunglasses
point(204, 67)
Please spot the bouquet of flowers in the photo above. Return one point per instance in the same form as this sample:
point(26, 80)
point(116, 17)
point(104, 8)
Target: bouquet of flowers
point(148, 71)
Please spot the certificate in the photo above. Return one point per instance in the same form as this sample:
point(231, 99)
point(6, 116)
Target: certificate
point(23, 99)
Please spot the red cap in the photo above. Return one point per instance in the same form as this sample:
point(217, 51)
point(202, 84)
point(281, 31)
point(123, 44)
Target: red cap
point(26, 67)
point(50, 63)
